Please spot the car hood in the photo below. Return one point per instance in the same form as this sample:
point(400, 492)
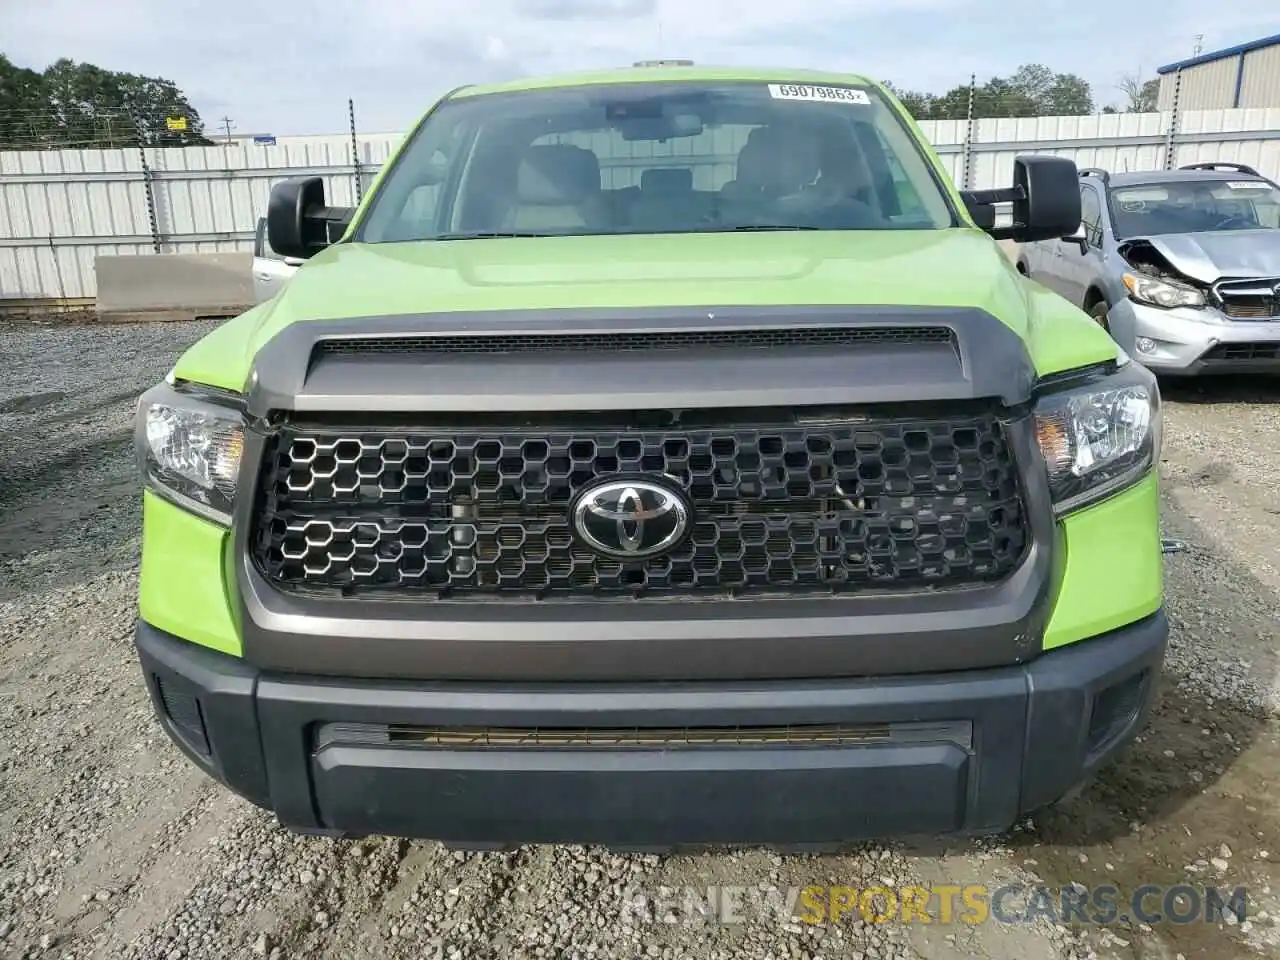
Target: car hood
point(1209, 257)
point(960, 267)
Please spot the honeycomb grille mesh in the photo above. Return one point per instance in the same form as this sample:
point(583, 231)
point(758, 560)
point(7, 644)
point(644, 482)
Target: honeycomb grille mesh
point(629, 342)
point(792, 506)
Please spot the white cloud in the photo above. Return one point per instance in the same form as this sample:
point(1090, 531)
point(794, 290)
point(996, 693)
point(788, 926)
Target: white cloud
point(287, 68)
point(495, 48)
point(588, 9)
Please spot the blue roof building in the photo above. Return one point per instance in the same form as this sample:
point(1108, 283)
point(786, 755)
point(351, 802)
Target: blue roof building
point(1246, 75)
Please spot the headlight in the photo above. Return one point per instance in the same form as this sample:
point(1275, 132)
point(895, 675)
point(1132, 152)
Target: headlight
point(1099, 437)
point(1162, 293)
point(189, 450)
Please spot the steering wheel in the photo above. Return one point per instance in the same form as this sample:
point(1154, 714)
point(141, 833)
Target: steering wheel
point(1226, 222)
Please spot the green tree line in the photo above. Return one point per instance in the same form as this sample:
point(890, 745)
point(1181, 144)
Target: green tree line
point(1034, 90)
point(70, 104)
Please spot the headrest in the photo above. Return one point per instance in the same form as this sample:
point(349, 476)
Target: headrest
point(755, 160)
point(777, 158)
point(557, 173)
point(667, 180)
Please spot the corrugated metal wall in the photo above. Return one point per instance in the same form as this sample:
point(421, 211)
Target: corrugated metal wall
point(1260, 85)
point(59, 209)
point(1206, 86)
point(1249, 80)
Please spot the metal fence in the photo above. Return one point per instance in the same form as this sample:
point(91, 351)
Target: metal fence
point(61, 208)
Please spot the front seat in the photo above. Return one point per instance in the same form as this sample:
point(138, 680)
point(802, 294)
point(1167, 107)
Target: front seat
point(773, 162)
point(666, 199)
point(557, 188)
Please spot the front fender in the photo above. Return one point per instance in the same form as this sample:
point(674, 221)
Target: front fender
point(222, 358)
point(1060, 335)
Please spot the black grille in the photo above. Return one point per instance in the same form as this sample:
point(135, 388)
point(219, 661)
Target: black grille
point(1259, 350)
point(644, 737)
point(828, 503)
point(632, 342)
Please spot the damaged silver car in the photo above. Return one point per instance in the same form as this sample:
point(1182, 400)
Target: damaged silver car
point(1182, 266)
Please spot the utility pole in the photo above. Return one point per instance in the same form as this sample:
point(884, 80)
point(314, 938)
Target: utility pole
point(1199, 45)
point(227, 125)
point(355, 150)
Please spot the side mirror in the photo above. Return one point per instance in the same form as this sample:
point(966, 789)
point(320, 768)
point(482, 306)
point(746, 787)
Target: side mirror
point(298, 221)
point(1078, 238)
point(984, 214)
point(1045, 197)
point(1050, 202)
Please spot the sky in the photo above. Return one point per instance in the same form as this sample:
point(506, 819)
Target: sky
point(289, 68)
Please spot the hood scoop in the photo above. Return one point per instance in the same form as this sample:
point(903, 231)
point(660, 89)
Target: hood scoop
point(621, 359)
point(762, 338)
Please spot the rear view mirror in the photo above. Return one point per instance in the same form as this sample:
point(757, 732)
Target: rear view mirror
point(664, 128)
point(1045, 198)
point(652, 120)
point(298, 222)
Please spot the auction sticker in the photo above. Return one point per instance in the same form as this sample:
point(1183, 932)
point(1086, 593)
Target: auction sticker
point(803, 91)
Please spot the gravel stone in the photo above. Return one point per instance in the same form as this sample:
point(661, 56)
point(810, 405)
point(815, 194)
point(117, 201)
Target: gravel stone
point(104, 814)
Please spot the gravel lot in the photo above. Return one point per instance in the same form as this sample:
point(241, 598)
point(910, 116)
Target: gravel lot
point(112, 845)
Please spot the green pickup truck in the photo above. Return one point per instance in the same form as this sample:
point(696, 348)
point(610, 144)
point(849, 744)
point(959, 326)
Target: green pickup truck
point(656, 457)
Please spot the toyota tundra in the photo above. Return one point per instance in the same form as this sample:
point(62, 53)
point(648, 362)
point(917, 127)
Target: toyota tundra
point(660, 456)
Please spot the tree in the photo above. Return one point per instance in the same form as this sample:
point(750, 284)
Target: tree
point(82, 105)
point(954, 104)
point(83, 98)
point(1003, 98)
point(1070, 96)
point(21, 96)
point(919, 105)
point(1054, 94)
point(1034, 90)
point(1140, 96)
point(1034, 81)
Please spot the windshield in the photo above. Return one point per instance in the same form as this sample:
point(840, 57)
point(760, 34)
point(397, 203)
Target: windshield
point(658, 158)
point(1195, 206)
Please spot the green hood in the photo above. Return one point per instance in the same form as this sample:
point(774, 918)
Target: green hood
point(949, 268)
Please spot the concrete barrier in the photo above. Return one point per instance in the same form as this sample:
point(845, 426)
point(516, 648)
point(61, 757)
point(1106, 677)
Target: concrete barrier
point(178, 286)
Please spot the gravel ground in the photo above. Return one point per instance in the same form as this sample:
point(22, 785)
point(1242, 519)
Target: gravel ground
point(113, 846)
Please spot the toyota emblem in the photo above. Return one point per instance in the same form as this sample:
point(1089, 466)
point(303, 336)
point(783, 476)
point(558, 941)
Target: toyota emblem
point(631, 519)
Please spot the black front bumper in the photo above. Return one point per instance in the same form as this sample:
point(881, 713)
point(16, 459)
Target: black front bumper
point(985, 747)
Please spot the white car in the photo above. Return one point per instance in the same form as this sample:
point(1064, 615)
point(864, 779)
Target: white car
point(270, 270)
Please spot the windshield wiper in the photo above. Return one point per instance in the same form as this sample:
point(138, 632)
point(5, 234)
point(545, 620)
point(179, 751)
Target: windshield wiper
point(765, 226)
point(489, 235)
point(498, 234)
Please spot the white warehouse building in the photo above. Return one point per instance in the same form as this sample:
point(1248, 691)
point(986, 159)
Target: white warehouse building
point(1246, 75)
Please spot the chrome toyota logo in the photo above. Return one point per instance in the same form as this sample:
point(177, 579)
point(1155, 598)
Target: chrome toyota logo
point(631, 519)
